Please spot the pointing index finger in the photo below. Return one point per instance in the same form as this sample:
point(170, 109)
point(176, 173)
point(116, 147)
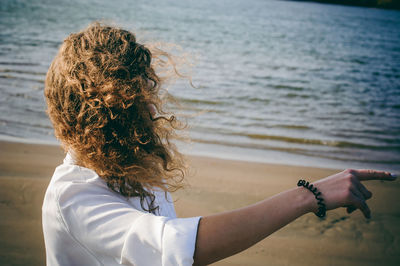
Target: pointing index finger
point(368, 174)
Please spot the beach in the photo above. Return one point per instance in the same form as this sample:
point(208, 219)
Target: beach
point(214, 185)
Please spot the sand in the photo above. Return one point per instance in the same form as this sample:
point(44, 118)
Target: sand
point(215, 185)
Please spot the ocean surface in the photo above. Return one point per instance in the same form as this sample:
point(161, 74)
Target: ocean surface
point(275, 81)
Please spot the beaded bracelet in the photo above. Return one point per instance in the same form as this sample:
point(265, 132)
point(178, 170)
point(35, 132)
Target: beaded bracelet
point(322, 207)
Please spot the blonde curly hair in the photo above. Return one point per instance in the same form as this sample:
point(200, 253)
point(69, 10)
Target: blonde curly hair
point(100, 91)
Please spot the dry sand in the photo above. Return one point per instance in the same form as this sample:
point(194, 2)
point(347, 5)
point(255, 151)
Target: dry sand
point(215, 185)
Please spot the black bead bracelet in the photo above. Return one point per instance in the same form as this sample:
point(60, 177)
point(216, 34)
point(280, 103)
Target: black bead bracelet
point(321, 205)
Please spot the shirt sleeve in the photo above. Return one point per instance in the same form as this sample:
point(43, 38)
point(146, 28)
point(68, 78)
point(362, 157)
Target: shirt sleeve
point(105, 223)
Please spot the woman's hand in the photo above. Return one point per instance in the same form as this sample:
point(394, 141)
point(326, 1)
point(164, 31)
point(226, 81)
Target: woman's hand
point(344, 189)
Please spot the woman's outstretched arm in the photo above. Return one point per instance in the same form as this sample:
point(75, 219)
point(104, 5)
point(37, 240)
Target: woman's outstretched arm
point(223, 235)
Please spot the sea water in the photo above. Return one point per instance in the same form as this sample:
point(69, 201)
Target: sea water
point(275, 81)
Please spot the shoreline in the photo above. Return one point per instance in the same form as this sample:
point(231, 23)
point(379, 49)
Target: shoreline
point(214, 185)
point(251, 155)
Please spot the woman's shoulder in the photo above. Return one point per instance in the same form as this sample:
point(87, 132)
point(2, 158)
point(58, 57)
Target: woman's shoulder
point(72, 185)
point(71, 180)
point(69, 173)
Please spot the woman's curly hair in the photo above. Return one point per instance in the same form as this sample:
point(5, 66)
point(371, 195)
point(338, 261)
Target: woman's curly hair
point(100, 91)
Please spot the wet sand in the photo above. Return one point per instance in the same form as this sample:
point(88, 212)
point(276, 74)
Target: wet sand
point(215, 185)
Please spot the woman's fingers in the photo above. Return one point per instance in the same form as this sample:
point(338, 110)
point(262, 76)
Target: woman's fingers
point(358, 196)
point(360, 203)
point(364, 191)
point(367, 174)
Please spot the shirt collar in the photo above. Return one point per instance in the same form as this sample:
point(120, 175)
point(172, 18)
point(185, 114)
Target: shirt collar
point(69, 159)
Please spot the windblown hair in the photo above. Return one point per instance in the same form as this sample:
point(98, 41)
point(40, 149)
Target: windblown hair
point(100, 90)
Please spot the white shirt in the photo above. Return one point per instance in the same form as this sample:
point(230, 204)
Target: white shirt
point(86, 223)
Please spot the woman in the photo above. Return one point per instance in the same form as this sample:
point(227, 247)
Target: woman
point(109, 202)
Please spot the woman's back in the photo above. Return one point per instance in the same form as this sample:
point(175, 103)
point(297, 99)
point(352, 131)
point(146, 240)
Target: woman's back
point(86, 223)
